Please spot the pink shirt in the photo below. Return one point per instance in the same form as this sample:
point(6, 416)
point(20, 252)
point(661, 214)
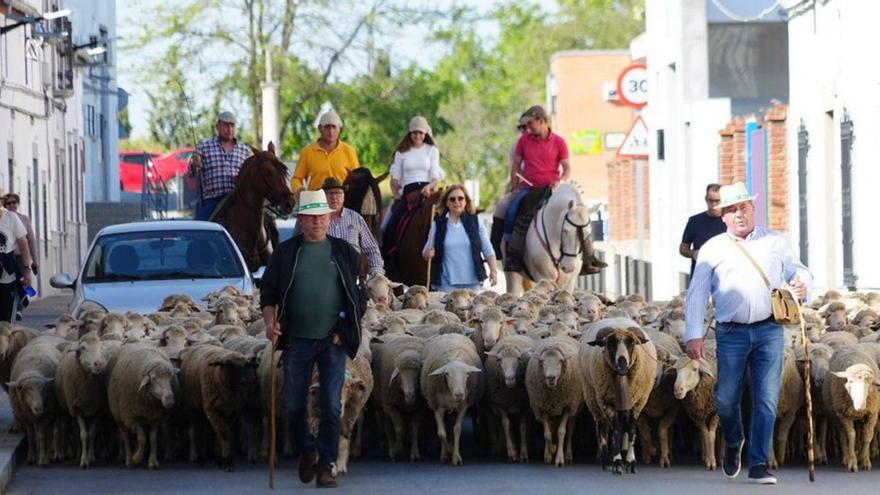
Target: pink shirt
point(542, 157)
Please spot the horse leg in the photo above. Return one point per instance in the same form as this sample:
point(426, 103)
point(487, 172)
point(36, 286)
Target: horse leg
point(514, 283)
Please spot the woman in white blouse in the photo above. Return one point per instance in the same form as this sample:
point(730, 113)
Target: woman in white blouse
point(416, 167)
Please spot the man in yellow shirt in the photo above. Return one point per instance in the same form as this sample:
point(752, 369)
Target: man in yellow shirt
point(326, 157)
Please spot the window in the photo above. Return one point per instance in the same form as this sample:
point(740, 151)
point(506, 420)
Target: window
point(90, 120)
point(162, 255)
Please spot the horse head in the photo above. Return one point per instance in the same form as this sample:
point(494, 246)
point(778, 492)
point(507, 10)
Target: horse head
point(266, 175)
point(362, 191)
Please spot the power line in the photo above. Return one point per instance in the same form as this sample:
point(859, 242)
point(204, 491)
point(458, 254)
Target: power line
point(736, 17)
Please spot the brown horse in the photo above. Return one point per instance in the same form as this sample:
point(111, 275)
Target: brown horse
point(363, 196)
point(261, 181)
point(404, 263)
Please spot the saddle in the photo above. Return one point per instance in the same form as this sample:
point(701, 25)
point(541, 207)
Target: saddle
point(412, 202)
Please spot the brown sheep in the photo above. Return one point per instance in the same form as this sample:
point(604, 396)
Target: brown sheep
point(835, 316)
point(506, 393)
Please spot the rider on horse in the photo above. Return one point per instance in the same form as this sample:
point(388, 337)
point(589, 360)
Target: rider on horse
point(216, 163)
point(324, 158)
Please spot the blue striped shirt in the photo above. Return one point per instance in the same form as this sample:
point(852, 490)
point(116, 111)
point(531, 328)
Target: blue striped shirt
point(458, 263)
point(352, 227)
point(738, 290)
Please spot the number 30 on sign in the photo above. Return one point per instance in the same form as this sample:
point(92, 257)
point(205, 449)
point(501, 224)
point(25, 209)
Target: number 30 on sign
point(632, 86)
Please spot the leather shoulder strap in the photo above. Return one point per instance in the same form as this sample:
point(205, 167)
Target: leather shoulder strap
point(752, 260)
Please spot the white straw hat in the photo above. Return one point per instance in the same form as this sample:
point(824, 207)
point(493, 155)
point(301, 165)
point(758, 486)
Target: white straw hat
point(734, 194)
point(313, 203)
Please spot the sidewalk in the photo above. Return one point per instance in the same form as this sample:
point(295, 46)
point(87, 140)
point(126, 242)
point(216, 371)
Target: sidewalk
point(36, 315)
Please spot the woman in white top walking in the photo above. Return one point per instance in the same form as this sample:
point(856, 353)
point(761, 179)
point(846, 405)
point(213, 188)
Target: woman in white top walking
point(416, 167)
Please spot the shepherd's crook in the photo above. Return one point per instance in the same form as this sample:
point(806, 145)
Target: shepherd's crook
point(811, 455)
point(272, 417)
point(431, 258)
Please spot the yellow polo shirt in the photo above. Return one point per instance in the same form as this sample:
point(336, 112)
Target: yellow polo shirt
point(318, 165)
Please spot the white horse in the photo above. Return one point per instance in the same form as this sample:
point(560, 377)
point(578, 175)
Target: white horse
point(557, 237)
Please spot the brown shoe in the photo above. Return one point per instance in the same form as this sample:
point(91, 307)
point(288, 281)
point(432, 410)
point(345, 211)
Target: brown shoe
point(307, 462)
point(325, 478)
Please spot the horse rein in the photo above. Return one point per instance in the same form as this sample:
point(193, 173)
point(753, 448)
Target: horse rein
point(545, 242)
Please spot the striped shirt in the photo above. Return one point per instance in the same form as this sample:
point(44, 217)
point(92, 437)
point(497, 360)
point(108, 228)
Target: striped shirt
point(352, 227)
point(220, 166)
point(738, 290)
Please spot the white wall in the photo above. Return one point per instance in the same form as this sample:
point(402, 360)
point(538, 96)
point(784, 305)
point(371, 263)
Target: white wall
point(832, 54)
point(675, 47)
point(33, 120)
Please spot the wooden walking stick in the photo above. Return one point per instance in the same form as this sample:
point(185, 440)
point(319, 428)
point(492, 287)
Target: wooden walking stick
point(433, 206)
point(811, 455)
point(272, 416)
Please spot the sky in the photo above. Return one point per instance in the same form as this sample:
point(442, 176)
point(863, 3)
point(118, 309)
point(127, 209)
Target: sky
point(406, 45)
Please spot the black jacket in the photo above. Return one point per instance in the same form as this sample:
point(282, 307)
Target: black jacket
point(278, 279)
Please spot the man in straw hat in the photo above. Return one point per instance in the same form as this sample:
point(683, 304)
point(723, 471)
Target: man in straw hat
point(748, 338)
point(216, 163)
point(326, 157)
point(308, 298)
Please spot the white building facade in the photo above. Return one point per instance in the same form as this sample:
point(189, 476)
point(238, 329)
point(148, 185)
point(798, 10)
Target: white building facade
point(42, 143)
point(834, 120)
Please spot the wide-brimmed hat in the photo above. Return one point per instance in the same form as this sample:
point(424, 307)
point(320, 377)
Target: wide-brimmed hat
point(332, 183)
point(733, 194)
point(313, 203)
point(419, 123)
point(330, 118)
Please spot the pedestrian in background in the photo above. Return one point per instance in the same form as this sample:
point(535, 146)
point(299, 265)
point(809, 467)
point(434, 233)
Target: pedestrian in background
point(12, 201)
point(216, 163)
point(749, 341)
point(13, 235)
point(702, 226)
point(327, 157)
point(309, 290)
point(459, 245)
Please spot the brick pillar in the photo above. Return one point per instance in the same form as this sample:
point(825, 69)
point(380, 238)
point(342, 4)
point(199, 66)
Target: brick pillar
point(738, 168)
point(777, 166)
point(725, 154)
point(622, 200)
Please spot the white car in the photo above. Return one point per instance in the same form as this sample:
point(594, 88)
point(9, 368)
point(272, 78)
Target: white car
point(134, 266)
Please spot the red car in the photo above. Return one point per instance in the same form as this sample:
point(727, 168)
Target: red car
point(131, 169)
point(173, 163)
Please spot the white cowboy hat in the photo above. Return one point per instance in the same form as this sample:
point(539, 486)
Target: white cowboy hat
point(734, 194)
point(313, 203)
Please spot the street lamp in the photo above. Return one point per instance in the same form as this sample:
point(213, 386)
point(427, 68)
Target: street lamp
point(48, 16)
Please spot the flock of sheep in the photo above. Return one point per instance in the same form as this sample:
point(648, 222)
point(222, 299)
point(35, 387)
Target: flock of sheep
point(584, 373)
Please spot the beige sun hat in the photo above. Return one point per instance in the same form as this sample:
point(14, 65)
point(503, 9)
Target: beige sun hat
point(330, 118)
point(313, 203)
point(733, 194)
point(419, 123)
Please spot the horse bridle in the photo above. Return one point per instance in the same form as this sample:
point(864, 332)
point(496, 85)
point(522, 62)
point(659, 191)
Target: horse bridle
point(545, 242)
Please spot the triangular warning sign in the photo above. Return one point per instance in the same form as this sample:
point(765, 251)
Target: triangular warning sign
point(635, 144)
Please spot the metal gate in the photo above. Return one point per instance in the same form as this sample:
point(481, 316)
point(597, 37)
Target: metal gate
point(803, 229)
point(846, 141)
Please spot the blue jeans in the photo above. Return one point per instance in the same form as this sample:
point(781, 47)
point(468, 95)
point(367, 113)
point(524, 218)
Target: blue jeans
point(513, 209)
point(759, 348)
point(299, 362)
point(206, 207)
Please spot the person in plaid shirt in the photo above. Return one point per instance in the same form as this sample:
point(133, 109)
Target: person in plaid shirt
point(216, 163)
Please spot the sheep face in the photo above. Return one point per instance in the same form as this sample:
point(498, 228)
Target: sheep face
point(649, 314)
point(33, 391)
point(90, 354)
point(836, 320)
point(619, 345)
point(416, 298)
point(459, 303)
point(391, 325)
point(866, 318)
point(689, 372)
point(491, 323)
point(157, 384)
point(456, 373)
point(569, 319)
point(562, 297)
point(820, 360)
point(181, 310)
point(553, 365)
point(227, 313)
point(591, 309)
point(859, 382)
point(406, 373)
point(380, 289)
point(674, 325)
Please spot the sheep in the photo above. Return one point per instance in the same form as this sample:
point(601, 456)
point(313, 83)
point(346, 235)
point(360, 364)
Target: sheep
point(557, 329)
point(505, 300)
point(451, 381)
point(820, 359)
point(12, 340)
point(216, 384)
point(506, 393)
point(63, 326)
point(183, 300)
point(459, 302)
point(226, 332)
point(360, 387)
point(491, 326)
point(618, 366)
point(251, 413)
point(791, 398)
point(397, 366)
point(429, 331)
point(226, 312)
point(32, 395)
point(850, 394)
point(591, 308)
point(835, 316)
point(865, 318)
point(267, 360)
point(416, 297)
point(672, 323)
point(371, 317)
point(837, 340)
point(390, 324)
point(439, 317)
point(552, 383)
point(380, 289)
point(81, 390)
point(662, 405)
point(140, 392)
point(695, 388)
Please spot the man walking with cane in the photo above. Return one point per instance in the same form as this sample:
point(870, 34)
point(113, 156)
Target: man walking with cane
point(732, 267)
point(309, 302)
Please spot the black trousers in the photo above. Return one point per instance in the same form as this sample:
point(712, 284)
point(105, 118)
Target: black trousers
point(7, 301)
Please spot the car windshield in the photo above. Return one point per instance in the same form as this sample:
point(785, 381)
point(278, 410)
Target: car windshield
point(162, 255)
point(138, 159)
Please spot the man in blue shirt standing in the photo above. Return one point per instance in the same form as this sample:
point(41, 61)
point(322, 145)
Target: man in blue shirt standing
point(748, 338)
point(702, 226)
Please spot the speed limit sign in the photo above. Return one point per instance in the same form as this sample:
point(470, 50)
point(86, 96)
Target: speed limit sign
point(632, 85)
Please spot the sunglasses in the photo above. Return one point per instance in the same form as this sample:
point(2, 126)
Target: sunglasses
point(11, 203)
point(455, 199)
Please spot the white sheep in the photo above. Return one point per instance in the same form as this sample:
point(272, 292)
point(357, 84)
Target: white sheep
point(397, 366)
point(32, 395)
